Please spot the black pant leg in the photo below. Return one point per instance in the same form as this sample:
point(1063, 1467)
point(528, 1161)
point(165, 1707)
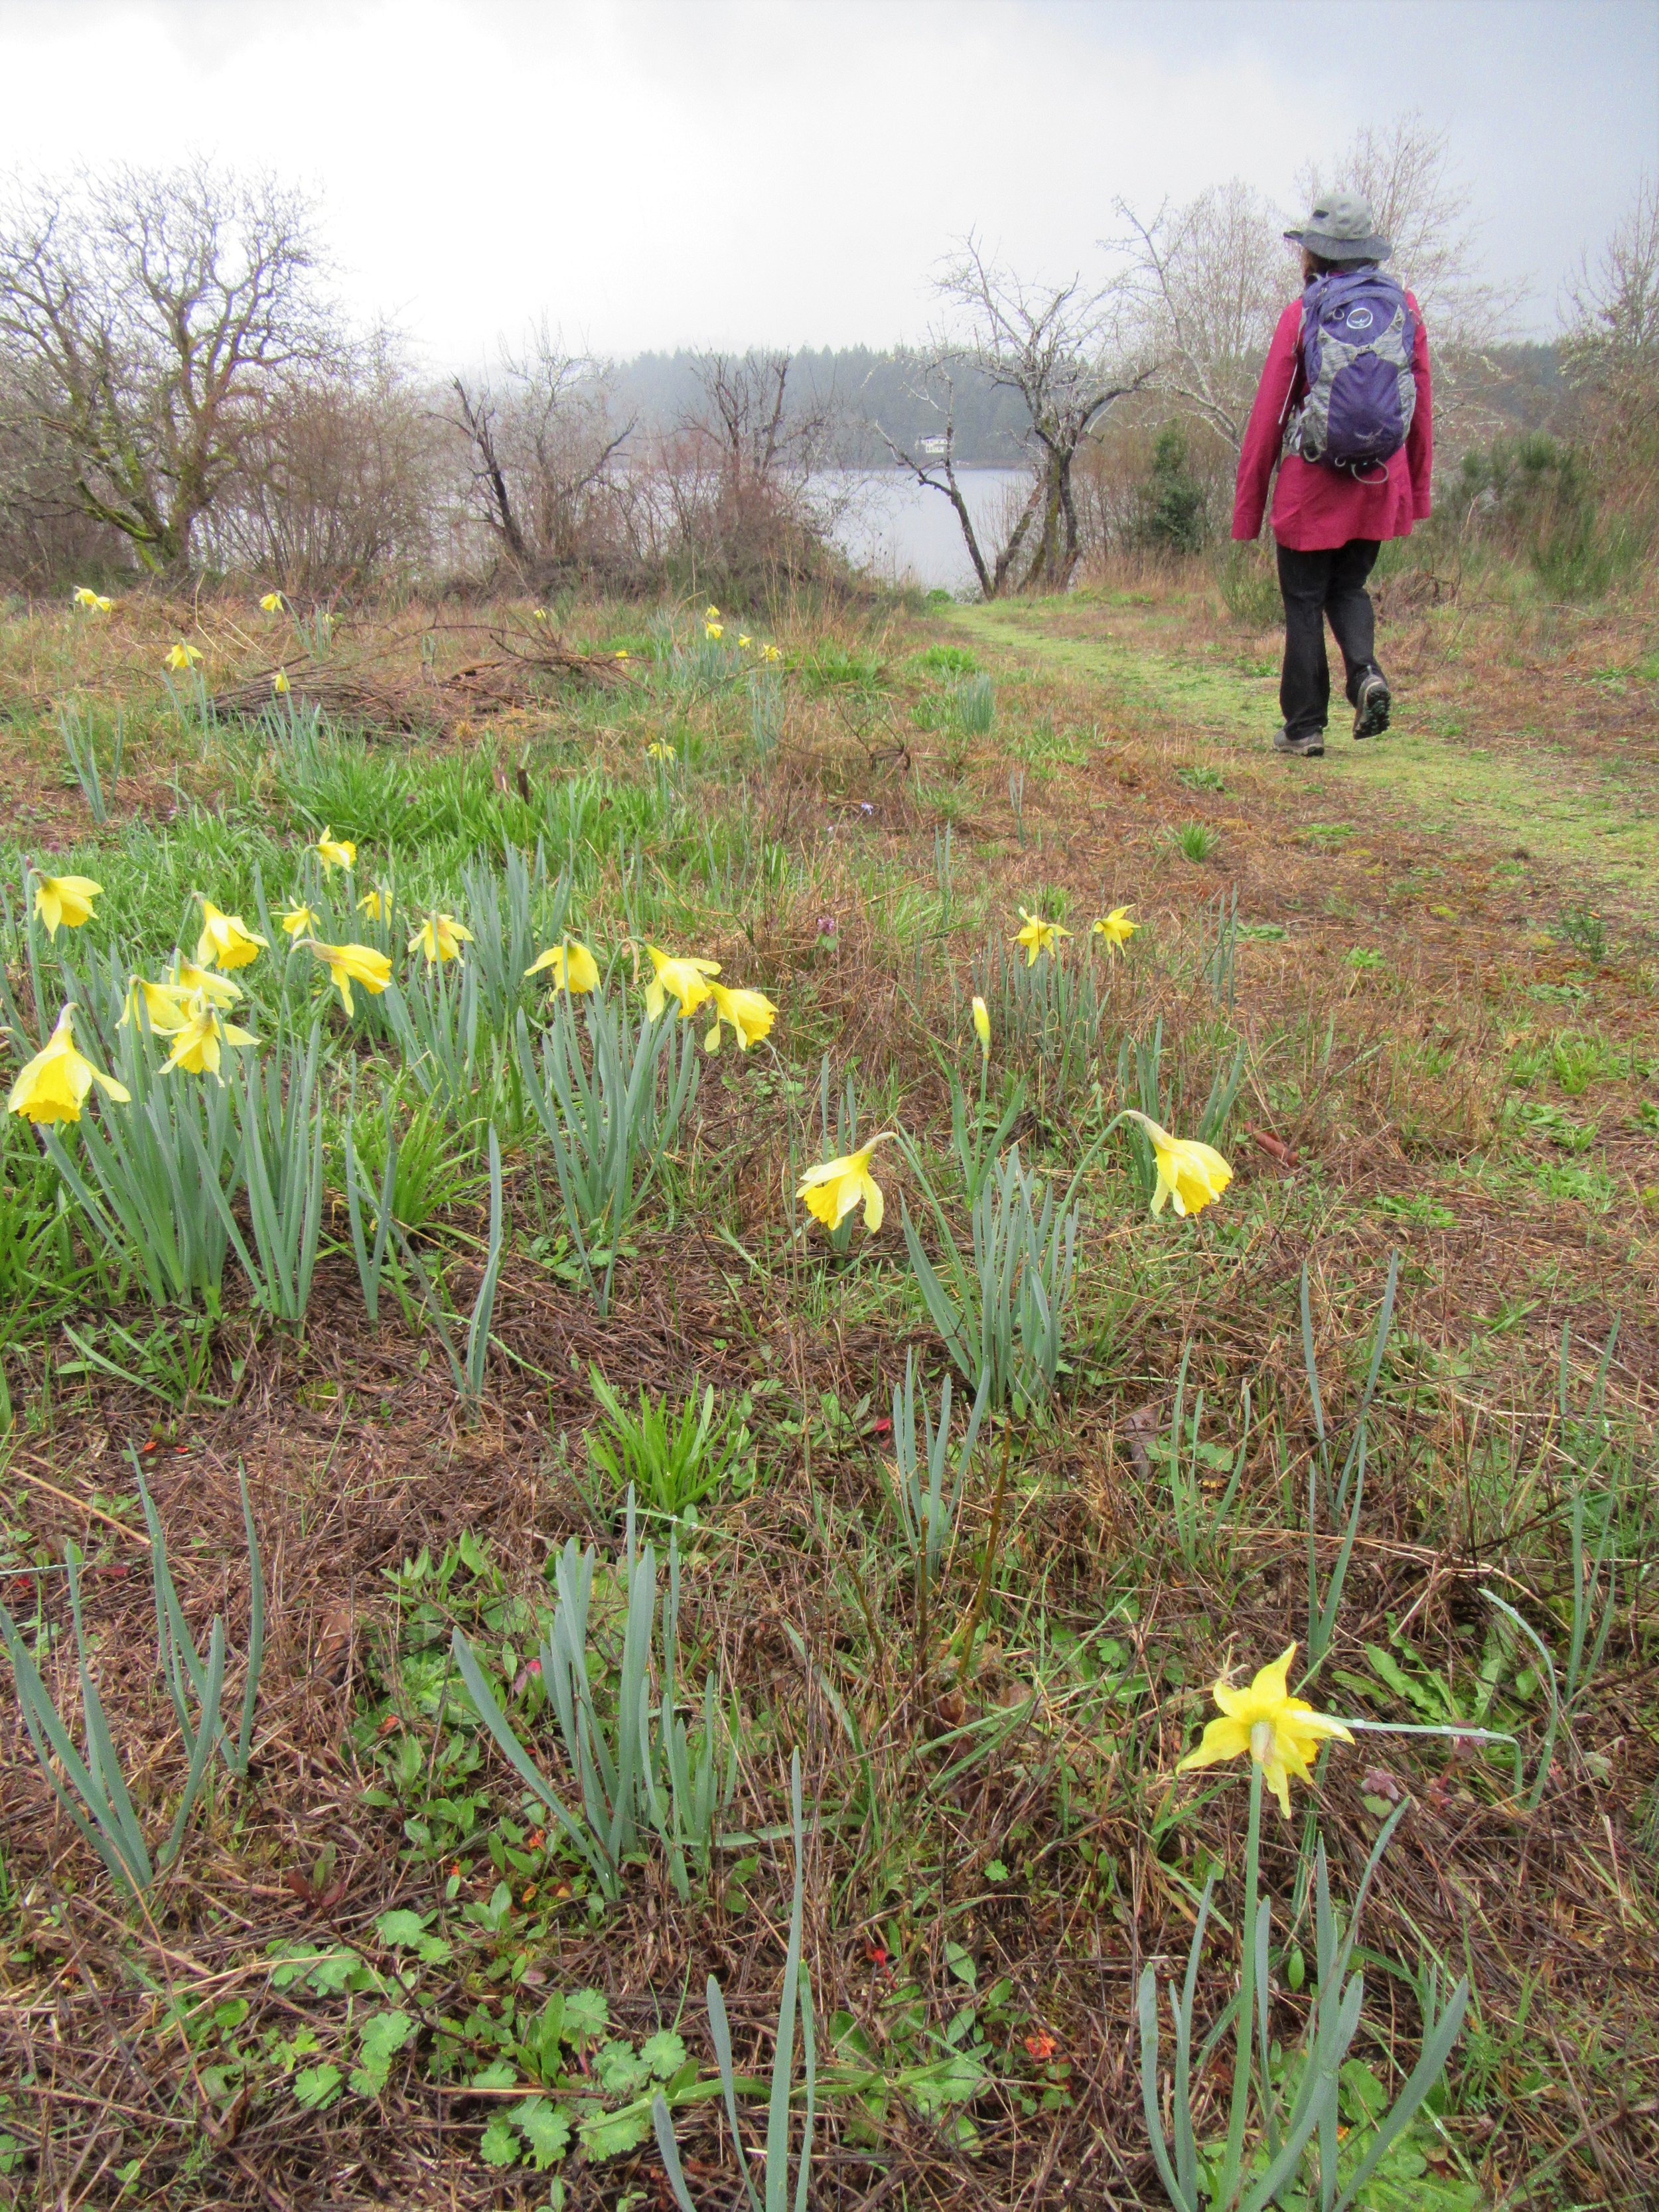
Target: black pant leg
point(1348, 604)
point(1304, 683)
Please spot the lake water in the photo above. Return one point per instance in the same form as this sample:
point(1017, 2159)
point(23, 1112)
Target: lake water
point(908, 534)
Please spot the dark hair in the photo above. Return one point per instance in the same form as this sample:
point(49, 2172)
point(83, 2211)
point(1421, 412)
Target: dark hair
point(1322, 267)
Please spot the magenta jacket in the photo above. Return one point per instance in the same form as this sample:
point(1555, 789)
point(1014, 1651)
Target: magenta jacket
point(1315, 508)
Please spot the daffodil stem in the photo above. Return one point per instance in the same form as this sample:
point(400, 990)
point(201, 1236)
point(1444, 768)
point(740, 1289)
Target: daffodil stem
point(1246, 2024)
point(971, 1626)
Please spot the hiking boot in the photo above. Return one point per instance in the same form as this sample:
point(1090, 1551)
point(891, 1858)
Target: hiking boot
point(1371, 706)
point(1312, 747)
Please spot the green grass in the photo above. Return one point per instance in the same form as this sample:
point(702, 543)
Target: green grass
point(1525, 793)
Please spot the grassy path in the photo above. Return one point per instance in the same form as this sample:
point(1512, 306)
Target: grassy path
point(1573, 812)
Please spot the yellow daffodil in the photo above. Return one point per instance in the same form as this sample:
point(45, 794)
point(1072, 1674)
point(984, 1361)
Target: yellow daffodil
point(621, 653)
point(983, 1026)
point(1280, 1733)
point(831, 1192)
point(374, 906)
point(199, 1043)
point(188, 979)
point(711, 614)
point(1188, 1172)
point(440, 939)
point(661, 751)
point(352, 963)
point(166, 1004)
point(182, 657)
point(335, 852)
point(714, 630)
point(770, 652)
point(271, 604)
point(226, 940)
point(91, 602)
point(298, 918)
point(540, 615)
point(750, 1014)
point(743, 641)
point(679, 978)
point(1039, 936)
point(65, 901)
point(572, 967)
point(1116, 928)
point(53, 1086)
point(279, 682)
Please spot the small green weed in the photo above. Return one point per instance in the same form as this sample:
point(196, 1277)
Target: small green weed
point(1422, 1210)
point(948, 661)
point(1584, 929)
point(673, 1461)
point(1195, 841)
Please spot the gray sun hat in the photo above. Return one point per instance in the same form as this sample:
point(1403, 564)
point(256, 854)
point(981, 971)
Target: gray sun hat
point(1340, 227)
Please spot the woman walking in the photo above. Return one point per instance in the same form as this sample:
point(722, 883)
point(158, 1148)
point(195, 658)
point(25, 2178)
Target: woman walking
point(1344, 410)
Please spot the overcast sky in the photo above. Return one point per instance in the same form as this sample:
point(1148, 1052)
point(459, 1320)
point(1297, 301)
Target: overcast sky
point(733, 172)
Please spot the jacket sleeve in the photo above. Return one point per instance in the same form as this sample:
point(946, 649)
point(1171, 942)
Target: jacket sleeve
point(1265, 433)
point(1419, 440)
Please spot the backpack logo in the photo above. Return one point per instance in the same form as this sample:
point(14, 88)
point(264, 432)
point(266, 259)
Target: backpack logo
point(1360, 318)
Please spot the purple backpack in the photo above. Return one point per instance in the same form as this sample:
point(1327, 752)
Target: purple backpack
point(1358, 340)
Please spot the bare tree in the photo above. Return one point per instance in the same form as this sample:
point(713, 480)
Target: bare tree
point(1421, 203)
point(1612, 312)
point(151, 315)
point(540, 447)
point(932, 462)
point(750, 476)
point(1067, 353)
point(1211, 278)
point(478, 424)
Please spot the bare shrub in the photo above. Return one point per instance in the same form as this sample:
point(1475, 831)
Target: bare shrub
point(540, 452)
point(341, 480)
point(1612, 352)
point(1210, 278)
point(149, 316)
point(46, 534)
point(1068, 353)
point(745, 487)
